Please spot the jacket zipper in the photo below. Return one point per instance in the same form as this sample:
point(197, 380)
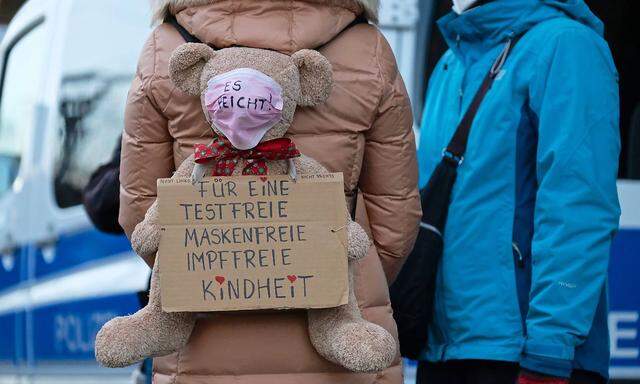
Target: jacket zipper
point(460, 89)
point(520, 266)
point(519, 256)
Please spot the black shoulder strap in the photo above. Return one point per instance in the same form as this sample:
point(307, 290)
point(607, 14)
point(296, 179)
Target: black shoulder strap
point(458, 145)
point(188, 37)
point(358, 20)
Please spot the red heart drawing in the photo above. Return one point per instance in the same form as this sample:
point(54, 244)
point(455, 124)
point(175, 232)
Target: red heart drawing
point(220, 279)
point(292, 278)
point(263, 178)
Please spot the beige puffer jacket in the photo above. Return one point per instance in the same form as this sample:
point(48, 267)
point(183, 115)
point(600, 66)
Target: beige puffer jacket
point(363, 131)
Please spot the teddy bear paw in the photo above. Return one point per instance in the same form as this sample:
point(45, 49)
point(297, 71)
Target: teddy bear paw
point(359, 347)
point(145, 240)
point(358, 241)
point(124, 341)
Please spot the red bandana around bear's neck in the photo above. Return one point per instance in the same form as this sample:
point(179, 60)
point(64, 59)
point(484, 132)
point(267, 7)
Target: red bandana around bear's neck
point(227, 156)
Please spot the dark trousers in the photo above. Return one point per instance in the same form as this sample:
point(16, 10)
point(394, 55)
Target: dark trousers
point(484, 372)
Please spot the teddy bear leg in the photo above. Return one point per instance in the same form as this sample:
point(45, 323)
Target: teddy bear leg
point(343, 337)
point(150, 332)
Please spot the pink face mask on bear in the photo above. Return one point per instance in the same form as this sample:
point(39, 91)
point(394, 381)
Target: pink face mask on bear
point(243, 104)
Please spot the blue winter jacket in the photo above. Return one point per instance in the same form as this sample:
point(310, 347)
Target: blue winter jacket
point(534, 208)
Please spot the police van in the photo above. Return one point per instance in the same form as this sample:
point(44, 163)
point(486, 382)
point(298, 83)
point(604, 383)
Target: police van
point(66, 67)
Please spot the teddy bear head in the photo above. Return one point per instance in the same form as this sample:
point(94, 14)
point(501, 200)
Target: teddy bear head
point(250, 95)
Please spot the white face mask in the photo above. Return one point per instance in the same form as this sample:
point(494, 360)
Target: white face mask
point(460, 6)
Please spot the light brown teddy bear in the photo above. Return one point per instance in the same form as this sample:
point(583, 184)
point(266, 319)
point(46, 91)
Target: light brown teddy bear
point(339, 334)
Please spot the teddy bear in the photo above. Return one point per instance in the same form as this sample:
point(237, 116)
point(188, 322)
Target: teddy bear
point(249, 97)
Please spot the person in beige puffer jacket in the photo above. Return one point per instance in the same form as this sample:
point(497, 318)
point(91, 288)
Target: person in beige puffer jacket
point(364, 131)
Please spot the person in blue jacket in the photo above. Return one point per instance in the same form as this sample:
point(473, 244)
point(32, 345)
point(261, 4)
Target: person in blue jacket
point(522, 287)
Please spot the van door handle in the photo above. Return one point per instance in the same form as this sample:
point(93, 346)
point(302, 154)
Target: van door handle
point(48, 250)
point(8, 258)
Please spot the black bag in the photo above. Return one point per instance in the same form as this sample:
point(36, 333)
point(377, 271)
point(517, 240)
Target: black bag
point(101, 196)
point(413, 292)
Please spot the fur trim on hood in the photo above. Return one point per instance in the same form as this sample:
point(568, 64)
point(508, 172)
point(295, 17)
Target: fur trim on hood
point(161, 8)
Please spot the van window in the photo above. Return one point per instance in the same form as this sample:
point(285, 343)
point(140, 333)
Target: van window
point(102, 43)
point(21, 85)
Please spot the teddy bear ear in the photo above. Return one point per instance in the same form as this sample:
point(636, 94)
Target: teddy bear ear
point(316, 77)
point(186, 65)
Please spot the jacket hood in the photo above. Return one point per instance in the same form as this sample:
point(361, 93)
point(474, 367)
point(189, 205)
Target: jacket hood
point(162, 8)
point(484, 27)
point(285, 26)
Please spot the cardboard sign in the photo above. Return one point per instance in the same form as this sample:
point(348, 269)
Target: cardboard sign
point(249, 242)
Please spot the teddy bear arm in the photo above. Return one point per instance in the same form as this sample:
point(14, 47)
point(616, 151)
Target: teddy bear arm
point(145, 238)
point(185, 168)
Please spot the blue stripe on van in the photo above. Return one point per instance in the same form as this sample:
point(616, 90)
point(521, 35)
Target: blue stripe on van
point(15, 263)
point(75, 249)
point(9, 339)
